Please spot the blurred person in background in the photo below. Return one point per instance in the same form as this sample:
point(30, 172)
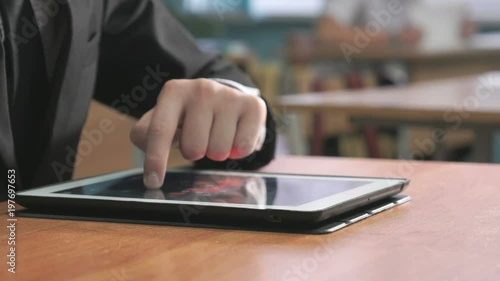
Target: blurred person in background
point(388, 19)
point(359, 24)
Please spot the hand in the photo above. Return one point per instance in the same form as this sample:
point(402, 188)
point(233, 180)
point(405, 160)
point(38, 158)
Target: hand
point(206, 117)
point(410, 36)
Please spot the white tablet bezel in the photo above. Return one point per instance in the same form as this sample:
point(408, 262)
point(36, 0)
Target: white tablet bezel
point(374, 185)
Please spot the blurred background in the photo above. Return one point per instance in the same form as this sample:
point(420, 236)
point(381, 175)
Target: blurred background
point(403, 79)
point(266, 26)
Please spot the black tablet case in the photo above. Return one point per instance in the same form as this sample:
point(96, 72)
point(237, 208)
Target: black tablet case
point(328, 226)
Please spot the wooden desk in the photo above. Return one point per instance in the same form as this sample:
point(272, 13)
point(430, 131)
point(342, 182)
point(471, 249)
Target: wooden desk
point(466, 102)
point(450, 231)
point(481, 54)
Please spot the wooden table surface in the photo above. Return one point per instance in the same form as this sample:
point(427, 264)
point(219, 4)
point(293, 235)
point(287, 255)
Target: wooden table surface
point(470, 99)
point(450, 231)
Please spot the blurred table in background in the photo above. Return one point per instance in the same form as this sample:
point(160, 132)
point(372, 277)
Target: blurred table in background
point(447, 105)
point(481, 54)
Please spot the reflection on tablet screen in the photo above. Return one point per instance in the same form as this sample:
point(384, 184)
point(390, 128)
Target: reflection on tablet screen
point(254, 190)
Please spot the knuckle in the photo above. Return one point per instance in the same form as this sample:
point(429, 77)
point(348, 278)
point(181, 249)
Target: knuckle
point(232, 96)
point(230, 100)
point(217, 157)
point(171, 85)
point(192, 154)
point(218, 154)
point(157, 129)
point(154, 160)
point(205, 88)
point(244, 148)
point(256, 104)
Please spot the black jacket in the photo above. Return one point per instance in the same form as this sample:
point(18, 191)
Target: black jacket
point(104, 49)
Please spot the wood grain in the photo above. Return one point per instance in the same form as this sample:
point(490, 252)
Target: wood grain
point(450, 231)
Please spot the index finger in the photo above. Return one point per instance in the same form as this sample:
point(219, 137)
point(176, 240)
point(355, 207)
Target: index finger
point(160, 135)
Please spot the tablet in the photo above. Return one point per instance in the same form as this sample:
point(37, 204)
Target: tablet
point(275, 198)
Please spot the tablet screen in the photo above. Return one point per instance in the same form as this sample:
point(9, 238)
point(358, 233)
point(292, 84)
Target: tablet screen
point(223, 188)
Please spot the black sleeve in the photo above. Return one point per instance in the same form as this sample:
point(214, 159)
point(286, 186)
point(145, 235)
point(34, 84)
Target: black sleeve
point(142, 47)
